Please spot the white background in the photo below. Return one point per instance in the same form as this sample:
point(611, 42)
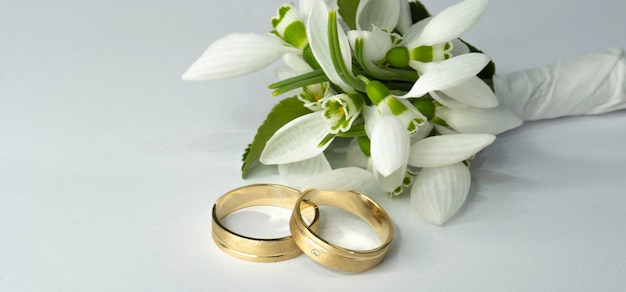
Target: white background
point(109, 163)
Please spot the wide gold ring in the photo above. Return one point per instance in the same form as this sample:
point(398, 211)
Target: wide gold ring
point(258, 249)
point(334, 256)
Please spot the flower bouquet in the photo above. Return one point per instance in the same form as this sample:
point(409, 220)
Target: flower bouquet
point(412, 100)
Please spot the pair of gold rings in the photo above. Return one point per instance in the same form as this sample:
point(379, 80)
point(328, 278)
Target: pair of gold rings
point(304, 237)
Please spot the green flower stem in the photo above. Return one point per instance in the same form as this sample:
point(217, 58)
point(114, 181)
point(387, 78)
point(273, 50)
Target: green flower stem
point(303, 80)
point(355, 131)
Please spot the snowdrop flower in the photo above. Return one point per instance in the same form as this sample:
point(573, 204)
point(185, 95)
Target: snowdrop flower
point(341, 110)
point(309, 135)
point(430, 39)
point(243, 53)
point(236, 55)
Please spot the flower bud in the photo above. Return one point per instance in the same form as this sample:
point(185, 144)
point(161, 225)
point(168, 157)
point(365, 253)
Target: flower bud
point(376, 91)
point(398, 57)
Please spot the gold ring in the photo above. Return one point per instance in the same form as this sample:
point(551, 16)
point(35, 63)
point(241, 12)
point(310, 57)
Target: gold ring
point(256, 249)
point(334, 256)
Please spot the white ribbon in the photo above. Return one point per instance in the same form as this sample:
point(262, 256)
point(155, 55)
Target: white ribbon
point(587, 84)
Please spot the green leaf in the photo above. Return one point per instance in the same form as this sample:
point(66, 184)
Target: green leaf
point(284, 112)
point(418, 11)
point(347, 10)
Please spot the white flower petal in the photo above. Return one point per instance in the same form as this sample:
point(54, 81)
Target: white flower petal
point(340, 179)
point(414, 31)
point(371, 116)
point(297, 63)
point(423, 131)
point(284, 72)
point(298, 173)
point(389, 145)
point(439, 192)
point(390, 182)
point(451, 23)
point(445, 150)
point(446, 101)
point(473, 92)
point(405, 20)
point(479, 120)
point(448, 73)
point(305, 7)
point(443, 130)
point(376, 13)
point(235, 55)
point(376, 43)
point(297, 140)
point(317, 32)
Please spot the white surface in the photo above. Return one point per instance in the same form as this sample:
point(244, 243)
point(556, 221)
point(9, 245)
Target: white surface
point(109, 163)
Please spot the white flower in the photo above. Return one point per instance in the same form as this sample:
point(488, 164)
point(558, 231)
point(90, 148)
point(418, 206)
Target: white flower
point(429, 39)
point(237, 54)
point(448, 73)
point(341, 110)
point(308, 136)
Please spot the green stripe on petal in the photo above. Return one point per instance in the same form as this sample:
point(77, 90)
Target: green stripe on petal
point(288, 25)
point(404, 111)
point(436, 53)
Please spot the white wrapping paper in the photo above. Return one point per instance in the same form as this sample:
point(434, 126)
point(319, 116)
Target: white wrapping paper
point(587, 84)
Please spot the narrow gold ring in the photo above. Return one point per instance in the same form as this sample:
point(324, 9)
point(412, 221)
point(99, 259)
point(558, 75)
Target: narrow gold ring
point(337, 257)
point(256, 249)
